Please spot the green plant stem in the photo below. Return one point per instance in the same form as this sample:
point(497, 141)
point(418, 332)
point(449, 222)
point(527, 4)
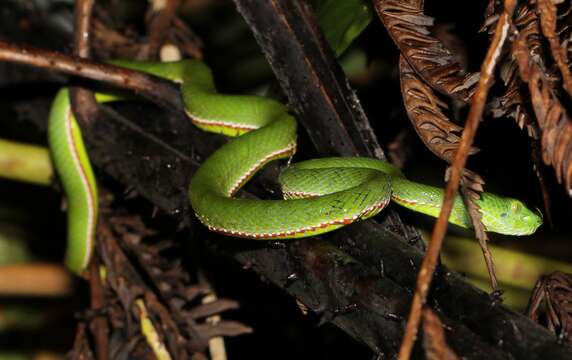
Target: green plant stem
point(24, 162)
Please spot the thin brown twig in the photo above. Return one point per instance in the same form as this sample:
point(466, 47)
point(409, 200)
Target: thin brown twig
point(80, 349)
point(157, 90)
point(536, 155)
point(82, 24)
point(83, 101)
point(434, 340)
point(429, 263)
point(83, 106)
point(98, 326)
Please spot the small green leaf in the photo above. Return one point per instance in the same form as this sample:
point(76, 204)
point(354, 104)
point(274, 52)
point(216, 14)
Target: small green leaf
point(343, 21)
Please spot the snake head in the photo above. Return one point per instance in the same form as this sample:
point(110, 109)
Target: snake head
point(520, 220)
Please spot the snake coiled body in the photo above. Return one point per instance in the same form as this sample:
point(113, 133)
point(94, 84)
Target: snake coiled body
point(320, 195)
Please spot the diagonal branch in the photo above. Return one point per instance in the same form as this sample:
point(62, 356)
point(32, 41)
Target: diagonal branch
point(475, 113)
point(319, 93)
point(157, 90)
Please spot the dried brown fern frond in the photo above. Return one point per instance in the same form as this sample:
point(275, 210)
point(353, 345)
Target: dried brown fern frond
point(147, 300)
point(512, 104)
point(527, 22)
point(409, 28)
point(553, 121)
point(425, 111)
point(554, 291)
point(513, 101)
point(548, 15)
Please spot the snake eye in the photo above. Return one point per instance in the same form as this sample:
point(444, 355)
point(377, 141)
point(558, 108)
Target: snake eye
point(515, 207)
point(503, 215)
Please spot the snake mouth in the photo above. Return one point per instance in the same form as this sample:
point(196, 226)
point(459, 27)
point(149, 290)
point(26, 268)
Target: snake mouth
point(534, 221)
point(533, 229)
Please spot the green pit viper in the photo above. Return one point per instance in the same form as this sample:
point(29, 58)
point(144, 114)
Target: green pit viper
point(320, 195)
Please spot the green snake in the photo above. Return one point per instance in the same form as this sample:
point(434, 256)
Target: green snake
point(320, 195)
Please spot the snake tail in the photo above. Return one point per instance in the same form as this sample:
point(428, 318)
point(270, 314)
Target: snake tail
point(76, 175)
